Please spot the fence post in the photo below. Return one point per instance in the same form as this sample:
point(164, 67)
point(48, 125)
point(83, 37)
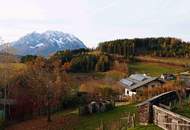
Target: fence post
point(133, 123)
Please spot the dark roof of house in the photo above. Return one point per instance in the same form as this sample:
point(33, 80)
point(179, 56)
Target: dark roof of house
point(168, 74)
point(155, 97)
point(136, 80)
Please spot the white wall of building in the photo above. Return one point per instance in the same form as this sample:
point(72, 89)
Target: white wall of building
point(129, 93)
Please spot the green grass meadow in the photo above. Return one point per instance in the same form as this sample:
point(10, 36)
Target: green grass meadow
point(94, 121)
point(153, 69)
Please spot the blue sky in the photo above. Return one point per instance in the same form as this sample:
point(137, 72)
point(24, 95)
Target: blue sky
point(94, 21)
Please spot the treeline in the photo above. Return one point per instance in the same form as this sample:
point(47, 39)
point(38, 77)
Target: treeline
point(78, 60)
point(162, 47)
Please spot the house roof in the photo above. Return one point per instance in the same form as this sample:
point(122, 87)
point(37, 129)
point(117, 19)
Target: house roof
point(155, 97)
point(136, 80)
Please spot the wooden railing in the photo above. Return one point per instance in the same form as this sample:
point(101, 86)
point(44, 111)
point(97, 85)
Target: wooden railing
point(168, 120)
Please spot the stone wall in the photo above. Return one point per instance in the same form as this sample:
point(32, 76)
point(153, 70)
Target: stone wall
point(144, 114)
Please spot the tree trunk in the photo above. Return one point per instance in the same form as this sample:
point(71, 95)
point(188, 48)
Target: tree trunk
point(48, 112)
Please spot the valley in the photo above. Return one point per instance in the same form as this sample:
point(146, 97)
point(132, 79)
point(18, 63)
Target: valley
point(65, 119)
point(62, 85)
point(94, 65)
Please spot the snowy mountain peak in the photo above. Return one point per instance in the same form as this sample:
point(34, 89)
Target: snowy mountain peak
point(47, 43)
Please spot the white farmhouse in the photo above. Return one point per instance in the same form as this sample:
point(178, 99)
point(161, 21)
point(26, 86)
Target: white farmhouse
point(136, 83)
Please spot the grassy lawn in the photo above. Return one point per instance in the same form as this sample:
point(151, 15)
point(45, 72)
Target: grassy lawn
point(148, 127)
point(93, 121)
point(111, 117)
point(185, 111)
point(153, 69)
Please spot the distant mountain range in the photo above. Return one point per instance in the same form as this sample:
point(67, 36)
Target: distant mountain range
point(46, 43)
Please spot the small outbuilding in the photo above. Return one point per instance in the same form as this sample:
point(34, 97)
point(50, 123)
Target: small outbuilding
point(168, 76)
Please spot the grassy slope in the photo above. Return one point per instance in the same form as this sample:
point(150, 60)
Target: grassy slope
point(93, 121)
point(69, 120)
point(172, 61)
point(148, 127)
point(185, 111)
point(154, 69)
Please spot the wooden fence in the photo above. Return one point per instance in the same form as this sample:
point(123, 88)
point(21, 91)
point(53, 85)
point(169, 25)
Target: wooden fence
point(168, 120)
point(128, 121)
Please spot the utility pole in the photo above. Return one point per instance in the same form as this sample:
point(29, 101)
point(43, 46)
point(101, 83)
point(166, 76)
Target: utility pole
point(6, 78)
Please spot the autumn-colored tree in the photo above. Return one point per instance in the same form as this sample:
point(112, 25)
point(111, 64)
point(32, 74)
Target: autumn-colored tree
point(100, 89)
point(45, 83)
point(67, 66)
point(7, 72)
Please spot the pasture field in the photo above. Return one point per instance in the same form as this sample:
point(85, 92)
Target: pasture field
point(154, 69)
point(170, 61)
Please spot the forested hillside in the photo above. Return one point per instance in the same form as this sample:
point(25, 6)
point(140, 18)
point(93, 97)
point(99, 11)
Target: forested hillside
point(163, 47)
point(80, 60)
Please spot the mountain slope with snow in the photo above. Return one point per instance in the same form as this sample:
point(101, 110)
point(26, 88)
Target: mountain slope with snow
point(46, 43)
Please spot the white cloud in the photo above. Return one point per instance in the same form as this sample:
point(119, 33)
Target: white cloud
point(20, 10)
point(97, 20)
point(105, 7)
